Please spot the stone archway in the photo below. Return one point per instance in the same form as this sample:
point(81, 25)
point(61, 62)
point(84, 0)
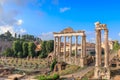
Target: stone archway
point(98, 66)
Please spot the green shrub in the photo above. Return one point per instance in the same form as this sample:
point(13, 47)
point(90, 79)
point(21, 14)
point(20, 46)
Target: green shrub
point(42, 77)
point(84, 78)
point(53, 64)
point(56, 76)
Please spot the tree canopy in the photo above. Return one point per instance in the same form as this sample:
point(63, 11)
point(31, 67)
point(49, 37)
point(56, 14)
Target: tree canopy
point(116, 46)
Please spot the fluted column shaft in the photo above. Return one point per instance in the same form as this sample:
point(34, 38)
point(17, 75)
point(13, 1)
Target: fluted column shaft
point(76, 49)
point(97, 49)
point(70, 51)
point(55, 47)
point(64, 48)
point(99, 44)
point(83, 47)
point(81, 55)
point(106, 49)
point(58, 48)
point(59, 45)
point(76, 43)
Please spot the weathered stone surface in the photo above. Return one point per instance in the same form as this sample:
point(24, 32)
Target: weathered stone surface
point(67, 30)
point(101, 72)
point(68, 33)
point(59, 66)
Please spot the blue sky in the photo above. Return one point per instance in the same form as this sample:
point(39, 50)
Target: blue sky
point(42, 17)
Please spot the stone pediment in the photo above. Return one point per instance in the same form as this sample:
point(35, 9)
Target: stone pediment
point(67, 30)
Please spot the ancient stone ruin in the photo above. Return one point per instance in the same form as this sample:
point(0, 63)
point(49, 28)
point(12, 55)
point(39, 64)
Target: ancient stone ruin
point(69, 33)
point(101, 72)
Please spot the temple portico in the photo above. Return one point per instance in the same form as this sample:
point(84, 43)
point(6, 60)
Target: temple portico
point(70, 33)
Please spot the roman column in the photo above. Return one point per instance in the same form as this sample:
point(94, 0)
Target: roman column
point(83, 45)
point(55, 47)
point(64, 48)
point(70, 51)
point(106, 48)
point(99, 45)
point(97, 49)
point(59, 46)
point(81, 55)
point(76, 43)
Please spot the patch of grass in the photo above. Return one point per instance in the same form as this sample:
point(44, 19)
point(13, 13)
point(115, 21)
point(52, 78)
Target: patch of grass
point(88, 75)
point(48, 77)
point(69, 70)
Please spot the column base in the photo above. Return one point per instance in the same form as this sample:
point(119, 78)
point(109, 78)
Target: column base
point(102, 73)
point(82, 62)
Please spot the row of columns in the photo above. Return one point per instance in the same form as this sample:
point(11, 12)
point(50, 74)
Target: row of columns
point(57, 47)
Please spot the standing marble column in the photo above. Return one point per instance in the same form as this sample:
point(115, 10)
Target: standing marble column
point(83, 46)
point(76, 49)
point(59, 47)
point(99, 44)
point(106, 49)
point(97, 49)
point(64, 48)
point(70, 51)
point(81, 55)
point(55, 47)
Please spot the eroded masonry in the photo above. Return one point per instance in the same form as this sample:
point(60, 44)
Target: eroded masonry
point(67, 56)
point(101, 71)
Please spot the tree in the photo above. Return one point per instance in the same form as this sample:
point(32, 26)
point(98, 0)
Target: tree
point(8, 52)
point(17, 47)
point(31, 49)
point(8, 34)
point(28, 37)
point(19, 36)
point(43, 53)
point(116, 46)
point(19, 54)
point(25, 49)
point(53, 64)
point(15, 35)
point(49, 46)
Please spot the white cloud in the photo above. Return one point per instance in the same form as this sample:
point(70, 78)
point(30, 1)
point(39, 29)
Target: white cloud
point(2, 1)
point(6, 28)
point(22, 31)
point(8, 21)
point(92, 40)
point(12, 29)
point(110, 39)
point(19, 22)
point(64, 9)
point(46, 36)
